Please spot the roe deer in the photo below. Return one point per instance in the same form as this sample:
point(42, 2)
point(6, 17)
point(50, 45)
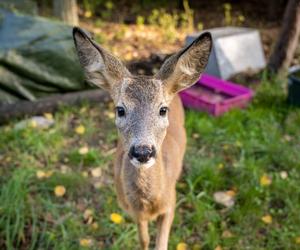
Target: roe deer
point(150, 122)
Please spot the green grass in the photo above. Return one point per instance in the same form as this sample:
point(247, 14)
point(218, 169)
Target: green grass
point(231, 152)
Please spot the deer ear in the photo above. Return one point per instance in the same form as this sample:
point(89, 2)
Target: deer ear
point(100, 67)
point(184, 68)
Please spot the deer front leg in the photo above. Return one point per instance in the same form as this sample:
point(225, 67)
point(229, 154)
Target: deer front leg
point(143, 234)
point(164, 223)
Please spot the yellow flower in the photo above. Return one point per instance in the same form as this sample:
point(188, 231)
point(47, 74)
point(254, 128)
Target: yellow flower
point(83, 150)
point(265, 180)
point(48, 116)
point(59, 191)
point(267, 219)
point(85, 242)
point(297, 240)
point(80, 129)
point(116, 218)
point(182, 246)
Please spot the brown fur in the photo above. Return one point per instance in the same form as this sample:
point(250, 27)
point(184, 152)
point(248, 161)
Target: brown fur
point(147, 193)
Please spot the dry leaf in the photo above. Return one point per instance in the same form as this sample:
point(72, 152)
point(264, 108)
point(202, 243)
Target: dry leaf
point(182, 246)
point(83, 150)
point(223, 198)
point(80, 129)
point(59, 191)
point(265, 180)
point(267, 219)
point(96, 172)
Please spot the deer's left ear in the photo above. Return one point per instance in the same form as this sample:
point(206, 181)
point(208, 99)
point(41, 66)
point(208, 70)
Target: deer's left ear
point(184, 68)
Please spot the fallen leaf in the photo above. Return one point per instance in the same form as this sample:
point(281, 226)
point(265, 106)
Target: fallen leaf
point(283, 175)
point(40, 174)
point(83, 150)
point(87, 214)
point(80, 129)
point(95, 226)
point(265, 180)
point(220, 166)
point(85, 242)
point(59, 191)
point(267, 219)
point(116, 218)
point(227, 234)
point(48, 116)
point(96, 172)
point(182, 246)
point(222, 197)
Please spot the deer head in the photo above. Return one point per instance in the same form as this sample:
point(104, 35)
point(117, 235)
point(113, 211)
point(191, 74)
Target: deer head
point(142, 102)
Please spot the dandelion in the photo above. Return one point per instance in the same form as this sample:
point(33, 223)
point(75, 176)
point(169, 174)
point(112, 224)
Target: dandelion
point(116, 218)
point(80, 129)
point(182, 246)
point(267, 219)
point(85, 242)
point(265, 180)
point(59, 191)
point(83, 150)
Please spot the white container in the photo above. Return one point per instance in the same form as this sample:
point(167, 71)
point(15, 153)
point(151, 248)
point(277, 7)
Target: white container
point(235, 50)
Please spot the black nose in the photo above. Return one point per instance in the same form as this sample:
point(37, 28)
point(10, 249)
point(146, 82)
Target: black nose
point(142, 153)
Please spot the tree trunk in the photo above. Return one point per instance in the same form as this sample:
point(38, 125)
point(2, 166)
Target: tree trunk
point(50, 104)
point(66, 10)
point(287, 41)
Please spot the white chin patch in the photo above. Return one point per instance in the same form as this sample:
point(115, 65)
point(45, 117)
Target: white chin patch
point(138, 164)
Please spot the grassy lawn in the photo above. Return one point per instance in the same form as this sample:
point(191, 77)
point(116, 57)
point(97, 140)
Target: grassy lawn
point(56, 189)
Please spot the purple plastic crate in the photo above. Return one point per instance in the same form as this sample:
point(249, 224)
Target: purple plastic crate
point(215, 96)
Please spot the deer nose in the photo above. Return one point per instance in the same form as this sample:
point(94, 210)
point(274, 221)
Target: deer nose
point(142, 153)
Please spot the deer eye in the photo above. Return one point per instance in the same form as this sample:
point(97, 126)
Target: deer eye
point(120, 111)
point(163, 111)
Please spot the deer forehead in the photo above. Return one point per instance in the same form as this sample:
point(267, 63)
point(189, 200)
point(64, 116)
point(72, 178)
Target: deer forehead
point(141, 90)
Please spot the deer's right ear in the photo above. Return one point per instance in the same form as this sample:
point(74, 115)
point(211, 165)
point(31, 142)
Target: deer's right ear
point(100, 67)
